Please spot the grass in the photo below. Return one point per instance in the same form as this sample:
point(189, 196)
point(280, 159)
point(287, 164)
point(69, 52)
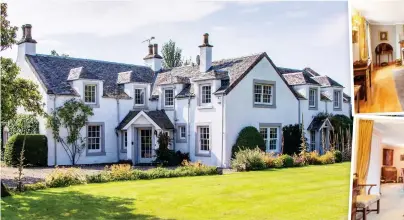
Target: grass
point(314, 192)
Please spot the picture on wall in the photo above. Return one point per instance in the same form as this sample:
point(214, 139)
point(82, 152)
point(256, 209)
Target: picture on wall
point(383, 35)
point(388, 157)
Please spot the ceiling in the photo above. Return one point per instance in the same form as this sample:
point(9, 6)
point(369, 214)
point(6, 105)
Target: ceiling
point(392, 131)
point(380, 12)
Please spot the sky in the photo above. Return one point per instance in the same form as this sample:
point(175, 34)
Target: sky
point(293, 34)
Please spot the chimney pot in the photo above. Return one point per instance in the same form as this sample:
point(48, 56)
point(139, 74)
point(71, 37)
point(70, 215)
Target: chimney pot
point(150, 49)
point(206, 39)
point(26, 34)
point(156, 52)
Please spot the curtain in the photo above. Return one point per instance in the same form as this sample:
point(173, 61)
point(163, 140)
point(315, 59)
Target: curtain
point(363, 145)
point(363, 47)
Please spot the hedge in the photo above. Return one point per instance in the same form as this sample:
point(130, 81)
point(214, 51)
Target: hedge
point(35, 153)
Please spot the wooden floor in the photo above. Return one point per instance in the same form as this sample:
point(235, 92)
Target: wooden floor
point(382, 96)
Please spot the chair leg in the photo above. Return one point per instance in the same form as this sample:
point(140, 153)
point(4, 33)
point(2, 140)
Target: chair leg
point(378, 206)
point(364, 213)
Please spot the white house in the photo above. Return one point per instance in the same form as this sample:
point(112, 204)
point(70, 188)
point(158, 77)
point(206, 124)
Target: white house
point(202, 107)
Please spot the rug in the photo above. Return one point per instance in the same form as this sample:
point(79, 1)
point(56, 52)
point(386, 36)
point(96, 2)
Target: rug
point(398, 75)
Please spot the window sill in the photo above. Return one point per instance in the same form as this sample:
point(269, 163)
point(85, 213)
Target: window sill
point(95, 154)
point(313, 108)
point(337, 109)
point(169, 108)
point(257, 105)
point(181, 140)
point(200, 154)
point(96, 105)
point(205, 107)
point(124, 150)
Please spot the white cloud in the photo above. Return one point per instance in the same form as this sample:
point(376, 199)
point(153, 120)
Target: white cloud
point(103, 18)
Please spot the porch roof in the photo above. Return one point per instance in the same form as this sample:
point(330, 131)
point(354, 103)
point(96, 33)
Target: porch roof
point(159, 117)
point(318, 122)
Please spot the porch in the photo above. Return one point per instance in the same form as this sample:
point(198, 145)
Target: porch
point(320, 129)
point(139, 132)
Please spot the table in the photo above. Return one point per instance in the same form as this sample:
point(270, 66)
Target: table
point(364, 72)
point(357, 88)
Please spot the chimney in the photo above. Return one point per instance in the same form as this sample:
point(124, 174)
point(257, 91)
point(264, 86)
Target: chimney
point(205, 54)
point(26, 45)
point(153, 59)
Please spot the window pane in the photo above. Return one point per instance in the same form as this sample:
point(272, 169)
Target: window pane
point(94, 137)
point(168, 97)
point(90, 93)
point(206, 94)
point(204, 144)
point(312, 97)
point(139, 96)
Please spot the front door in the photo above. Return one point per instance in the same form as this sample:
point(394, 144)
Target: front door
point(145, 145)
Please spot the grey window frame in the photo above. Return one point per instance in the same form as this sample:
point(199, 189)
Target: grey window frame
point(339, 108)
point(164, 98)
point(102, 139)
point(273, 93)
point(144, 96)
point(97, 94)
point(179, 139)
point(197, 135)
point(201, 94)
point(123, 140)
point(312, 140)
point(315, 107)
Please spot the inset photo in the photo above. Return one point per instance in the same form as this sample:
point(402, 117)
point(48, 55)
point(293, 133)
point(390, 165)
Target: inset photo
point(378, 55)
point(378, 169)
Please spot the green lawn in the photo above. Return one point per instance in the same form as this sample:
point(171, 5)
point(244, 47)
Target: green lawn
point(315, 192)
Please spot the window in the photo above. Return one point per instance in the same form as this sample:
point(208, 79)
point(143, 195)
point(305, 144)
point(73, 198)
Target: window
point(263, 94)
point(337, 99)
point(94, 138)
point(125, 140)
point(312, 98)
point(204, 138)
point(205, 94)
point(90, 94)
point(139, 96)
point(313, 141)
point(271, 138)
point(168, 97)
point(183, 134)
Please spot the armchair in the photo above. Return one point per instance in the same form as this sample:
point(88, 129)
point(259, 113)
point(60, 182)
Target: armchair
point(364, 201)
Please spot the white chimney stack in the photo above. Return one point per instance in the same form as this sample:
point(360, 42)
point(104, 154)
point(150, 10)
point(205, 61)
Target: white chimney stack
point(153, 59)
point(26, 45)
point(205, 54)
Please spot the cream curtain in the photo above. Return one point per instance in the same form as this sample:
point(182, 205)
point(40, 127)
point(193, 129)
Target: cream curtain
point(363, 44)
point(363, 145)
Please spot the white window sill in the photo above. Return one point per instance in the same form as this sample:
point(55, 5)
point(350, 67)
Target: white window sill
point(205, 107)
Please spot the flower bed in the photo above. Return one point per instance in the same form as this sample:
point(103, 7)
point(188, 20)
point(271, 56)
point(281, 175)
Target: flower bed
point(255, 159)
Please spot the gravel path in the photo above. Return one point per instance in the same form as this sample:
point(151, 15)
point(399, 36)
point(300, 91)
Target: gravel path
point(37, 174)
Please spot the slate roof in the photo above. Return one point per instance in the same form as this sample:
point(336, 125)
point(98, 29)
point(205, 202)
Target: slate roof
point(325, 96)
point(158, 116)
point(317, 122)
point(326, 81)
point(54, 72)
point(299, 78)
point(187, 91)
point(311, 72)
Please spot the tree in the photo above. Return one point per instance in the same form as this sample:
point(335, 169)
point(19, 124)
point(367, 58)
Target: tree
point(17, 92)
point(8, 32)
point(171, 55)
point(54, 53)
point(73, 116)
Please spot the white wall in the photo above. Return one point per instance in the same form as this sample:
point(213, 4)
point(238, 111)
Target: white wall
point(239, 110)
point(375, 39)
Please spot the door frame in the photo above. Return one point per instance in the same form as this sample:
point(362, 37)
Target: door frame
point(139, 145)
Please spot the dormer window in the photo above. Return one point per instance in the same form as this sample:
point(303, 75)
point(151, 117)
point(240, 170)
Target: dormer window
point(337, 100)
point(205, 94)
point(90, 94)
point(313, 98)
point(168, 98)
point(139, 96)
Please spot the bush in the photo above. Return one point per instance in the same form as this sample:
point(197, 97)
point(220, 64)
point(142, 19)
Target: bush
point(338, 156)
point(248, 138)
point(298, 161)
point(35, 186)
point(35, 151)
point(65, 177)
point(313, 158)
point(23, 124)
point(291, 139)
point(248, 159)
point(287, 160)
point(327, 158)
point(269, 160)
point(278, 162)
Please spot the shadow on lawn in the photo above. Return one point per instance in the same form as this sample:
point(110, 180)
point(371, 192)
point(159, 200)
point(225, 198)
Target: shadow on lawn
point(69, 205)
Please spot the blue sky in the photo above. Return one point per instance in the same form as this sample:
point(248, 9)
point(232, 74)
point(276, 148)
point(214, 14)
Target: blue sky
point(294, 34)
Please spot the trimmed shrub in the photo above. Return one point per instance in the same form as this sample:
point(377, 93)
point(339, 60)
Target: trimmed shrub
point(287, 160)
point(338, 156)
point(23, 124)
point(327, 158)
point(249, 159)
point(248, 138)
point(65, 177)
point(35, 186)
point(35, 151)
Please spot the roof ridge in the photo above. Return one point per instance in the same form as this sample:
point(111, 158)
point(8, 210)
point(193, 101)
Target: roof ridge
point(232, 58)
point(85, 59)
